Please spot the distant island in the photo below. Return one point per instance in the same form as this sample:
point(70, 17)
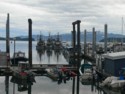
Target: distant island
point(18, 39)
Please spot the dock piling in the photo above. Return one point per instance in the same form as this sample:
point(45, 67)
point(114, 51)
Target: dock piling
point(105, 38)
point(30, 42)
point(94, 43)
point(8, 52)
point(78, 51)
point(85, 46)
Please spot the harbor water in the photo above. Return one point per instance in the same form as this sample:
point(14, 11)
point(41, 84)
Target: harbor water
point(43, 84)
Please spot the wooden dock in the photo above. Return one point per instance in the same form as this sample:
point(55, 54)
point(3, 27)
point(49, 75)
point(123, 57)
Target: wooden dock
point(36, 68)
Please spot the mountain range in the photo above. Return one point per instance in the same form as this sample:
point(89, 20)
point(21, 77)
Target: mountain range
point(67, 37)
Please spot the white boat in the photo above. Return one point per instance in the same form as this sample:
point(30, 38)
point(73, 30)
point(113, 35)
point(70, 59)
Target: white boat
point(86, 77)
point(86, 74)
point(113, 82)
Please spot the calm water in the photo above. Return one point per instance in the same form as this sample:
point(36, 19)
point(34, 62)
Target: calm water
point(45, 85)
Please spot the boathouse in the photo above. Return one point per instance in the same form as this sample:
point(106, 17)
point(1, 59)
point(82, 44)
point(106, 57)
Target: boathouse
point(113, 62)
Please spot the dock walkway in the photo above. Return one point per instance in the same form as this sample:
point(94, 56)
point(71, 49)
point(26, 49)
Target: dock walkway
point(37, 68)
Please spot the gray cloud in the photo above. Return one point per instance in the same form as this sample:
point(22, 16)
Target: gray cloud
point(57, 16)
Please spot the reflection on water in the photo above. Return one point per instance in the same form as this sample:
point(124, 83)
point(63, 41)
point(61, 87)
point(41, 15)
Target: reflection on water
point(43, 84)
point(49, 57)
point(40, 53)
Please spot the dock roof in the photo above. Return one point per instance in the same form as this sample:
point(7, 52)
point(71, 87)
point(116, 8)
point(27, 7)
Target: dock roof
point(115, 55)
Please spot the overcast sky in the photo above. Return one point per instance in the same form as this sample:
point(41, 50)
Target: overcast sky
point(57, 15)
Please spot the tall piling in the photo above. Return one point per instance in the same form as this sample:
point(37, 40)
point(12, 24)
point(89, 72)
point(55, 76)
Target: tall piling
point(105, 38)
point(85, 46)
point(93, 43)
point(74, 45)
point(30, 50)
point(74, 36)
point(7, 51)
point(78, 47)
point(30, 42)
point(8, 36)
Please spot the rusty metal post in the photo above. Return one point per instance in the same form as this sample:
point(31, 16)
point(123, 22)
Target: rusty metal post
point(30, 42)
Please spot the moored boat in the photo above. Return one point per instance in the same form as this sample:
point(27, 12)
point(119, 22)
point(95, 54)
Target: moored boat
point(40, 44)
point(86, 74)
point(17, 57)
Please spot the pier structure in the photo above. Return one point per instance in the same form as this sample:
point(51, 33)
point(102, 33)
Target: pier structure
point(39, 69)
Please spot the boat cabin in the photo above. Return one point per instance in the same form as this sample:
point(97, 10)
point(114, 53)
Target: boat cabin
point(18, 57)
point(19, 54)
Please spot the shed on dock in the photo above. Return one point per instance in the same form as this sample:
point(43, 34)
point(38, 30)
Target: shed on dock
point(113, 62)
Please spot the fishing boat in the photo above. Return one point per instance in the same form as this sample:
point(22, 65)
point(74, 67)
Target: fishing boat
point(49, 43)
point(40, 44)
point(17, 57)
point(57, 43)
